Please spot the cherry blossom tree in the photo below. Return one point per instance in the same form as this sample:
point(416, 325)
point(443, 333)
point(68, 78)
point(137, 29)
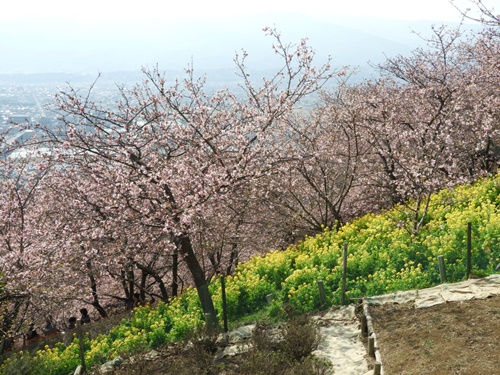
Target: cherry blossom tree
point(431, 121)
point(20, 179)
point(166, 155)
point(482, 12)
point(324, 164)
point(175, 184)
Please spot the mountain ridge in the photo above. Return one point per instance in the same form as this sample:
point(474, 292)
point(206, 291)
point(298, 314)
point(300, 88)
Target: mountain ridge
point(209, 44)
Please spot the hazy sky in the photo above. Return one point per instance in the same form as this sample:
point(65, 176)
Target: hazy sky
point(103, 35)
point(180, 10)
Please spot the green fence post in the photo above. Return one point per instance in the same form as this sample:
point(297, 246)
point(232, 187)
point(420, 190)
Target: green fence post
point(442, 269)
point(322, 295)
point(79, 333)
point(469, 248)
point(224, 302)
point(344, 273)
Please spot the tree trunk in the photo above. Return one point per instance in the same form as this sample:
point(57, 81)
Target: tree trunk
point(123, 279)
point(175, 273)
point(100, 309)
point(233, 260)
point(127, 291)
point(144, 277)
point(131, 278)
point(149, 271)
point(183, 242)
point(200, 281)
point(95, 295)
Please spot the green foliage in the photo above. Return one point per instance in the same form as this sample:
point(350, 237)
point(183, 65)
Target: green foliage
point(19, 364)
point(383, 257)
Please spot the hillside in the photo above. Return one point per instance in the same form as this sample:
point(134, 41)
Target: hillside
point(384, 256)
point(452, 338)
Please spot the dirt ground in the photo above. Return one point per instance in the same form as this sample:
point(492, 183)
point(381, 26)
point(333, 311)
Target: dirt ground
point(451, 338)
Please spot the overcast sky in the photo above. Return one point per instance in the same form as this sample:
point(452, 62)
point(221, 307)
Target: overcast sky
point(180, 10)
point(62, 35)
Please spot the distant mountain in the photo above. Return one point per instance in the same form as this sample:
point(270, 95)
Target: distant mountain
point(80, 48)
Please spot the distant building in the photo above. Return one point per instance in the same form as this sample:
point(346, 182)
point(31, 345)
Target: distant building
point(19, 137)
point(19, 119)
point(46, 121)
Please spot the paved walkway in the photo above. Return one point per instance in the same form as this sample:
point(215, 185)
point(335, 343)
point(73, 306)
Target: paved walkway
point(462, 291)
point(342, 343)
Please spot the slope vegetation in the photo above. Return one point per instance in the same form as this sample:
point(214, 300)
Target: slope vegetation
point(384, 255)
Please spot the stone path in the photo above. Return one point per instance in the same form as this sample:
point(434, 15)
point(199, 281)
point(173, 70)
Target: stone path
point(342, 343)
point(462, 291)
